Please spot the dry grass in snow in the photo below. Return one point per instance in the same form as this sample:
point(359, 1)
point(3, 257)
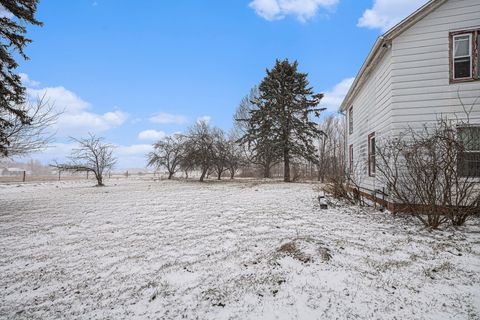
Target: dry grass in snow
point(139, 249)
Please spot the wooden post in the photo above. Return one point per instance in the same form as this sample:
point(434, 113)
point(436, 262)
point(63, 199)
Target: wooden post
point(59, 174)
point(87, 174)
point(24, 175)
point(126, 174)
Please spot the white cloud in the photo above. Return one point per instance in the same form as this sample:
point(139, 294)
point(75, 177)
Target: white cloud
point(26, 81)
point(151, 135)
point(84, 121)
point(333, 98)
point(77, 118)
point(56, 152)
point(60, 97)
point(132, 150)
point(279, 9)
point(386, 13)
point(205, 119)
point(167, 118)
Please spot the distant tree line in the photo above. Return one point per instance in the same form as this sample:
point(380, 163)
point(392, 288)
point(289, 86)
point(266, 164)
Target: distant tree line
point(274, 131)
point(203, 148)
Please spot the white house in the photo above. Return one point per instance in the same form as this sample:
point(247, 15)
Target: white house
point(415, 73)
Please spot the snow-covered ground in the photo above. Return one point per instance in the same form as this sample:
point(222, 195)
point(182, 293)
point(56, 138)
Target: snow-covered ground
point(139, 249)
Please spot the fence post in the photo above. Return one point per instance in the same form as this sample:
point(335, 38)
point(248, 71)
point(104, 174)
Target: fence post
point(24, 175)
point(59, 173)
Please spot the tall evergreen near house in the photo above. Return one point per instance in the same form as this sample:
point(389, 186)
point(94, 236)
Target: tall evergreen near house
point(14, 14)
point(285, 104)
point(260, 149)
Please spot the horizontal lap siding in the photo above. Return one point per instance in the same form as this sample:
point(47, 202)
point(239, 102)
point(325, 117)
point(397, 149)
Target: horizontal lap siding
point(421, 89)
point(410, 86)
point(371, 109)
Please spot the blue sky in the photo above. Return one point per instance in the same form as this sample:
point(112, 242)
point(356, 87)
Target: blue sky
point(133, 71)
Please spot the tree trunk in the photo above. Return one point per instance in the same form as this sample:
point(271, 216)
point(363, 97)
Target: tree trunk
point(170, 175)
point(204, 173)
point(219, 176)
point(232, 174)
point(99, 180)
point(186, 174)
point(286, 169)
point(266, 170)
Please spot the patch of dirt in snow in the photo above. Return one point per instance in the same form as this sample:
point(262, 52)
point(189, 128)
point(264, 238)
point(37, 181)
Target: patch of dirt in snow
point(305, 250)
point(139, 249)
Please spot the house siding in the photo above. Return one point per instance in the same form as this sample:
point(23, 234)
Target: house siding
point(421, 88)
point(410, 86)
point(371, 113)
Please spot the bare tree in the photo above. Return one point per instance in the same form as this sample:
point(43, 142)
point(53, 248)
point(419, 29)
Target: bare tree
point(92, 155)
point(200, 148)
point(25, 138)
point(221, 153)
point(234, 159)
point(331, 149)
point(168, 153)
point(430, 174)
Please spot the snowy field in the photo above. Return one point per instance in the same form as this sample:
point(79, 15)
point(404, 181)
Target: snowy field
point(139, 249)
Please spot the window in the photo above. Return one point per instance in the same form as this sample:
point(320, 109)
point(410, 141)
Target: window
point(462, 56)
point(478, 54)
point(350, 120)
point(465, 59)
point(469, 160)
point(350, 158)
point(371, 154)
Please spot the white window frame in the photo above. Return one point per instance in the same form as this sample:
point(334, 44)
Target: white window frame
point(470, 55)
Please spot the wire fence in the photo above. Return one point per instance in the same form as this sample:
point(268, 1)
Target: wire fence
point(25, 176)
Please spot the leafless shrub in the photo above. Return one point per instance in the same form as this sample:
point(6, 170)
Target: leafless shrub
point(428, 172)
point(347, 186)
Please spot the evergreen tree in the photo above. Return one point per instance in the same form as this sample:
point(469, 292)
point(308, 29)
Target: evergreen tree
point(282, 118)
point(260, 148)
point(12, 39)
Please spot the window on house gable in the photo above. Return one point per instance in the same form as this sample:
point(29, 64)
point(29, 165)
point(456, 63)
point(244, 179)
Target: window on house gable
point(350, 120)
point(469, 159)
point(465, 57)
point(462, 56)
point(371, 154)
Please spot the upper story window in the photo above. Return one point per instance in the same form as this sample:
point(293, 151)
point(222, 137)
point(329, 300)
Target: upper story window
point(350, 120)
point(464, 55)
